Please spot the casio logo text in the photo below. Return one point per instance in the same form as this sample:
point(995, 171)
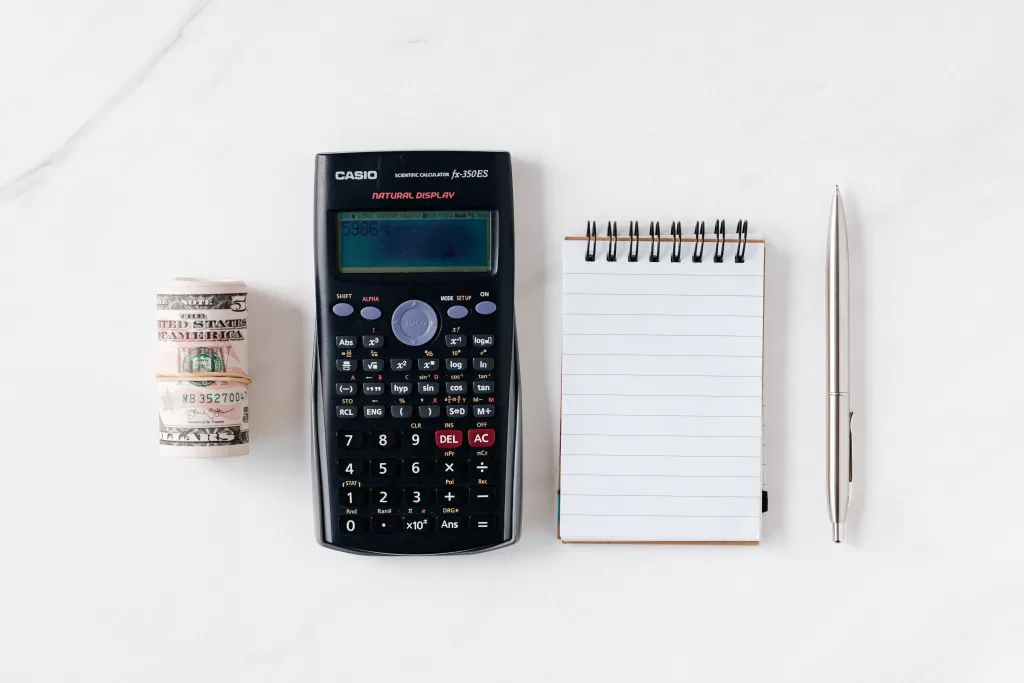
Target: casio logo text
point(355, 175)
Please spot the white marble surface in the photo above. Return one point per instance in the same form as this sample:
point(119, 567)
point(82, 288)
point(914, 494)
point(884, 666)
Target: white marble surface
point(142, 140)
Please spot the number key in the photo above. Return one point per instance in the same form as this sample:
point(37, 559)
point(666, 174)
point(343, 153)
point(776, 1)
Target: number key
point(384, 468)
point(386, 496)
point(352, 496)
point(350, 439)
point(353, 524)
point(415, 439)
point(419, 496)
point(352, 468)
point(417, 468)
point(387, 439)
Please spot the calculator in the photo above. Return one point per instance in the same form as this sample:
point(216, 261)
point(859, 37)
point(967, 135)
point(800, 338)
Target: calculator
point(416, 401)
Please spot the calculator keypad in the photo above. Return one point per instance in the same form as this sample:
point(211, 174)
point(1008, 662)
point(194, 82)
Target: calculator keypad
point(424, 455)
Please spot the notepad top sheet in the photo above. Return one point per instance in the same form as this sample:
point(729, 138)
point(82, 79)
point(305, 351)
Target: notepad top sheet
point(661, 396)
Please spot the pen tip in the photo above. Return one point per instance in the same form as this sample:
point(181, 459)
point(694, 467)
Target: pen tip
point(837, 532)
point(837, 189)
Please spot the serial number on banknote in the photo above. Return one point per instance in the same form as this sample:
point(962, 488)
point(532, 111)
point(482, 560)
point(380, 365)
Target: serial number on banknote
point(218, 397)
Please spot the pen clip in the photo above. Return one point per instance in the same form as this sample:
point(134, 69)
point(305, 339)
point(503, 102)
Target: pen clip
point(849, 495)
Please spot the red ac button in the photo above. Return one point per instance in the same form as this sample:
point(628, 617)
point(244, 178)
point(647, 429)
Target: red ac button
point(481, 438)
point(448, 438)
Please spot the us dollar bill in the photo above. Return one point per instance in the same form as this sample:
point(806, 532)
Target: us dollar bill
point(202, 327)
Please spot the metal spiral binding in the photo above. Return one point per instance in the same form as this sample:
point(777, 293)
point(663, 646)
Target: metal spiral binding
point(741, 238)
point(591, 241)
point(698, 234)
point(719, 240)
point(634, 241)
point(676, 233)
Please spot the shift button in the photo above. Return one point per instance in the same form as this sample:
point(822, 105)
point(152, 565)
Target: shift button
point(342, 309)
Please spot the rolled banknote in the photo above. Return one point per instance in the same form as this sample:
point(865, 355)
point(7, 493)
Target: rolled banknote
point(202, 365)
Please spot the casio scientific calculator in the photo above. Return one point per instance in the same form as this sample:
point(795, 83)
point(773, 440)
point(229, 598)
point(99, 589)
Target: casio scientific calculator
point(416, 429)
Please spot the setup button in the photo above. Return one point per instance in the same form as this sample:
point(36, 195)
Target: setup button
point(414, 322)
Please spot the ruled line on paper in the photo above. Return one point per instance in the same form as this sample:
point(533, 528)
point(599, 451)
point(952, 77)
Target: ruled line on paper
point(648, 495)
point(634, 334)
point(594, 514)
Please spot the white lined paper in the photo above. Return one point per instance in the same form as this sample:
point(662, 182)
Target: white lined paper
point(662, 406)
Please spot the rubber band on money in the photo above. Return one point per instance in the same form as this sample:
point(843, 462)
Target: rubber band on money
point(205, 377)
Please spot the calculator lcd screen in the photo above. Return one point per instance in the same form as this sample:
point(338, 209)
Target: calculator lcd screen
point(414, 241)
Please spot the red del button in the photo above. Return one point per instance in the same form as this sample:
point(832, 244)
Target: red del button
point(448, 438)
point(481, 438)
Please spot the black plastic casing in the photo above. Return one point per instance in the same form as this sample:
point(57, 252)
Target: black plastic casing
point(442, 181)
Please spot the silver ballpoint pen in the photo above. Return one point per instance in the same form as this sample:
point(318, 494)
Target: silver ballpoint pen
point(839, 449)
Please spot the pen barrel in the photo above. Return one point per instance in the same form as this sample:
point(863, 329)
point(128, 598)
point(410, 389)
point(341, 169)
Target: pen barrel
point(837, 288)
point(838, 466)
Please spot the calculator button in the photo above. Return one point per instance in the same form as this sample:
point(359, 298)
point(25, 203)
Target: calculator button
point(481, 467)
point(385, 496)
point(451, 524)
point(483, 386)
point(350, 439)
point(401, 365)
point(386, 524)
point(372, 341)
point(373, 388)
point(458, 312)
point(483, 364)
point(428, 364)
point(486, 410)
point(373, 411)
point(481, 438)
point(346, 412)
point(417, 524)
point(419, 496)
point(448, 438)
point(482, 341)
point(414, 322)
point(369, 312)
point(384, 468)
point(483, 494)
point(352, 496)
point(455, 341)
point(457, 411)
point(455, 388)
point(451, 495)
point(345, 389)
point(417, 468)
point(345, 342)
point(483, 522)
point(342, 309)
point(486, 307)
point(345, 365)
point(429, 411)
point(415, 439)
point(386, 439)
point(372, 365)
point(428, 388)
point(401, 388)
point(401, 411)
point(455, 364)
point(448, 466)
point(353, 524)
point(351, 468)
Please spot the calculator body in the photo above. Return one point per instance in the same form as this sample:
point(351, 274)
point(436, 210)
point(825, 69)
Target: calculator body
point(416, 406)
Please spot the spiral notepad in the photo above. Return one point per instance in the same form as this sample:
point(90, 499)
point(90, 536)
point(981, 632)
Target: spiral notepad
point(662, 352)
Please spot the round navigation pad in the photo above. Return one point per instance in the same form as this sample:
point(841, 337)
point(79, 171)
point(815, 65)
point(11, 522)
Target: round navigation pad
point(414, 322)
